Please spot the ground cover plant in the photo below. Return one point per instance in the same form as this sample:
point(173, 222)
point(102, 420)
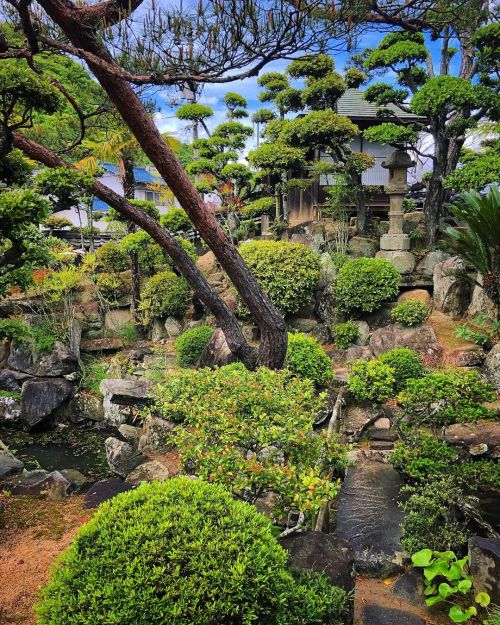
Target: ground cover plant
point(190, 345)
point(410, 312)
point(345, 334)
point(307, 359)
point(182, 536)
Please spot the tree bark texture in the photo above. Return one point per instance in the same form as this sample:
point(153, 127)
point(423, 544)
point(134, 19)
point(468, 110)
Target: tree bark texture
point(272, 349)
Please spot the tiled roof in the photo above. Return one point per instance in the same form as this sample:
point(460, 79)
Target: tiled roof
point(98, 205)
point(141, 174)
point(353, 105)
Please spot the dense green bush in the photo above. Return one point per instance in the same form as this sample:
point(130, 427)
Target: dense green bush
point(364, 284)
point(288, 272)
point(262, 206)
point(253, 432)
point(182, 552)
point(176, 220)
point(13, 329)
point(441, 398)
point(371, 380)
point(190, 345)
point(110, 287)
point(149, 254)
point(308, 359)
point(345, 334)
point(165, 294)
point(412, 312)
point(422, 456)
point(111, 258)
point(406, 363)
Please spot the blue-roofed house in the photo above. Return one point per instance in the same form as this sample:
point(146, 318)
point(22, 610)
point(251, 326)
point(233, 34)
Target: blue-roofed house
point(145, 179)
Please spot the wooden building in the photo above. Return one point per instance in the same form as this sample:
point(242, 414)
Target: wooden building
point(306, 205)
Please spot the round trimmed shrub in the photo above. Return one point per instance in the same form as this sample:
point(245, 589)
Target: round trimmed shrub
point(110, 287)
point(181, 552)
point(371, 380)
point(307, 359)
point(190, 345)
point(111, 258)
point(364, 284)
point(345, 334)
point(166, 294)
point(288, 272)
point(412, 312)
point(406, 363)
point(176, 220)
point(149, 254)
point(261, 206)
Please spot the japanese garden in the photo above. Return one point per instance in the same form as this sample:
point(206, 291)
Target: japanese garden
point(249, 312)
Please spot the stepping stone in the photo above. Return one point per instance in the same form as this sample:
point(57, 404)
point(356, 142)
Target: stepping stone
point(381, 445)
point(368, 517)
point(410, 588)
point(381, 434)
point(377, 615)
point(104, 490)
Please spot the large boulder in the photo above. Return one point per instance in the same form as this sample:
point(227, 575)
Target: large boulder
point(82, 407)
point(316, 551)
point(480, 439)
point(422, 339)
point(9, 464)
point(451, 294)
point(403, 261)
point(54, 363)
point(103, 490)
point(122, 457)
point(41, 483)
point(492, 367)
point(369, 519)
point(484, 558)
point(41, 397)
point(12, 380)
point(380, 615)
point(217, 352)
point(173, 327)
point(121, 398)
point(155, 435)
point(420, 295)
point(153, 471)
point(10, 411)
point(363, 247)
point(426, 266)
point(481, 303)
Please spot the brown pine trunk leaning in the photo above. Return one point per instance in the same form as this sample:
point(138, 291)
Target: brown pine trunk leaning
point(187, 268)
point(272, 349)
point(128, 179)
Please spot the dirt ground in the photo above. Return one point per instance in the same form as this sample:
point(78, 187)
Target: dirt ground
point(32, 534)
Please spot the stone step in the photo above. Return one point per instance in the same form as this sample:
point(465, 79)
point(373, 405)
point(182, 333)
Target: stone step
point(381, 445)
point(381, 434)
point(368, 517)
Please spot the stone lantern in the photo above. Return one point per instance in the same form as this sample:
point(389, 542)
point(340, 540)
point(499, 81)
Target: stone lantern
point(395, 245)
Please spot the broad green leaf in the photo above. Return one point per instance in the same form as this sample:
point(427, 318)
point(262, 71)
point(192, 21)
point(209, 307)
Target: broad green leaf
point(422, 558)
point(430, 589)
point(432, 600)
point(483, 599)
point(464, 585)
point(446, 555)
point(458, 615)
point(445, 590)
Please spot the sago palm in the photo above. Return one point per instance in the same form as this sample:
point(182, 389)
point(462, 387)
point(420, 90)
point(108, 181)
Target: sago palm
point(478, 242)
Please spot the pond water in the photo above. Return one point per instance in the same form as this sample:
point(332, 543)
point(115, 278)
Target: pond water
point(68, 448)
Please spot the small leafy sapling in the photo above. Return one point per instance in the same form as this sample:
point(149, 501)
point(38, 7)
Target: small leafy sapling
point(447, 579)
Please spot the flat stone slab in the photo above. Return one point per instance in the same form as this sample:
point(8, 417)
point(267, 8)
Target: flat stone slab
point(125, 392)
point(316, 551)
point(377, 615)
point(103, 490)
point(368, 517)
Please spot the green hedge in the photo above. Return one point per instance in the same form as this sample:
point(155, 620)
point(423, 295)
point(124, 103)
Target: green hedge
point(288, 272)
point(182, 552)
point(411, 313)
point(165, 294)
point(364, 284)
point(307, 359)
point(406, 363)
point(190, 345)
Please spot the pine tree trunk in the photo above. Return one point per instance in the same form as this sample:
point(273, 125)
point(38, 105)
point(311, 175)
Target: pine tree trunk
point(435, 195)
point(272, 349)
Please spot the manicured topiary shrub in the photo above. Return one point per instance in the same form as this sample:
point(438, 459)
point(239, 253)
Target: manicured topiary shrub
point(412, 312)
point(150, 255)
point(176, 220)
point(406, 363)
point(262, 206)
point(345, 334)
point(165, 294)
point(288, 272)
point(111, 258)
point(182, 552)
point(307, 359)
point(253, 432)
point(190, 345)
point(364, 284)
point(371, 380)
